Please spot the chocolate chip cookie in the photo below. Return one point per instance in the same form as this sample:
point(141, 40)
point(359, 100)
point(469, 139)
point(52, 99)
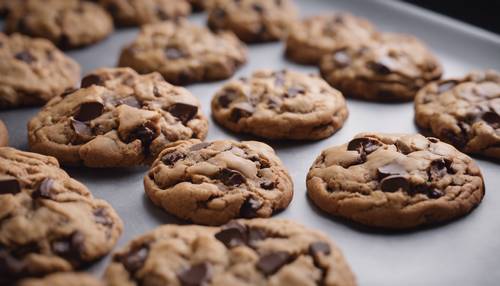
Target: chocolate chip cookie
point(184, 53)
point(117, 118)
point(49, 222)
point(213, 182)
point(391, 69)
point(67, 23)
point(33, 71)
point(317, 36)
point(4, 135)
point(280, 105)
point(395, 181)
point(464, 112)
point(63, 279)
point(140, 12)
point(242, 252)
point(253, 21)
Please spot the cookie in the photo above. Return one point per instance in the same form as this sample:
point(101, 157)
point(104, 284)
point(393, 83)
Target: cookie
point(280, 105)
point(253, 21)
point(4, 135)
point(63, 279)
point(117, 118)
point(213, 182)
point(392, 69)
point(67, 23)
point(243, 252)
point(33, 71)
point(464, 112)
point(49, 222)
point(314, 37)
point(184, 53)
point(395, 181)
point(140, 12)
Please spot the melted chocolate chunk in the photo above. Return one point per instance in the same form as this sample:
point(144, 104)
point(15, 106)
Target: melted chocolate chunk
point(380, 67)
point(435, 193)
point(267, 185)
point(225, 99)
point(231, 177)
point(173, 53)
point(145, 132)
point(183, 111)
point(255, 235)
point(89, 111)
point(440, 167)
point(318, 247)
point(341, 59)
point(241, 110)
point(272, 262)
point(81, 129)
point(445, 86)
point(169, 159)
point(44, 190)
point(25, 56)
point(197, 275)
point(9, 185)
point(91, 79)
point(102, 217)
point(492, 118)
point(70, 247)
point(364, 144)
point(134, 260)
point(250, 207)
point(199, 146)
point(395, 183)
point(233, 234)
point(393, 168)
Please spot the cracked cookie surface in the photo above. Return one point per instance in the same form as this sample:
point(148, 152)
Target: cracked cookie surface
point(33, 71)
point(117, 118)
point(314, 37)
point(184, 53)
point(67, 23)
point(243, 252)
point(464, 112)
point(63, 279)
point(140, 12)
point(395, 181)
point(280, 105)
point(214, 182)
point(4, 135)
point(392, 68)
point(253, 21)
point(49, 222)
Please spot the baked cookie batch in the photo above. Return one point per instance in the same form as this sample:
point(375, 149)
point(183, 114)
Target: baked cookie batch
point(51, 226)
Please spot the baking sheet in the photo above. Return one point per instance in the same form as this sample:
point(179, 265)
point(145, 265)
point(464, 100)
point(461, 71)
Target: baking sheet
point(464, 252)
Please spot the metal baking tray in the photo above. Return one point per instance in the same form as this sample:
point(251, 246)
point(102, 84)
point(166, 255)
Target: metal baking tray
point(463, 252)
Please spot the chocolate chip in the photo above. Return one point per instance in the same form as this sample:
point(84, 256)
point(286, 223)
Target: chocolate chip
point(146, 133)
point(445, 86)
point(255, 235)
point(435, 193)
point(364, 144)
point(197, 275)
point(267, 185)
point(89, 111)
point(25, 56)
point(433, 140)
point(380, 67)
point(393, 168)
point(199, 146)
point(169, 159)
point(70, 247)
point(9, 185)
point(294, 91)
point(183, 111)
point(318, 247)
point(233, 234)
point(241, 110)
point(341, 59)
point(227, 97)
point(101, 217)
point(44, 190)
point(135, 259)
point(440, 167)
point(250, 207)
point(492, 118)
point(272, 262)
point(81, 128)
point(231, 177)
point(130, 101)
point(91, 79)
point(162, 15)
point(173, 53)
point(394, 183)
point(10, 264)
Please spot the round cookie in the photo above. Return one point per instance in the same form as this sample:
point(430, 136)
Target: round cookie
point(391, 69)
point(117, 118)
point(184, 53)
point(211, 183)
point(49, 221)
point(63, 279)
point(33, 71)
point(280, 105)
point(243, 252)
point(4, 135)
point(67, 23)
point(140, 12)
point(314, 37)
point(395, 181)
point(253, 21)
point(464, 112)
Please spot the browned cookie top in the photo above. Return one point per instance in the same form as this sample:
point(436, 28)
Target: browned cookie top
point(67, 23)
point(464, 112)
point(184, 53)
point(116, 119)
point(214, 182)
point(48, 221)
point(241, 253)
point(395, 181)
point(33, 71)
point(253, 20)
point(139, 12)
point(392, 68)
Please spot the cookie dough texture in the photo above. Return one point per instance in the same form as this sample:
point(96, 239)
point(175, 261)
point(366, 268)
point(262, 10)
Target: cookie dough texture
point(116, 119)
point(4, 135)
point(253, 20)
point(49, 222)
point(464, 112)
point(314, 37)
point(67, 23)
point(33, 71)
point(241, 253)
point(184, 53)
point(395, 181)
point(140, 12)
point(63, 279)
point(212, 183)
point(280, 105)
point(393, 68)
